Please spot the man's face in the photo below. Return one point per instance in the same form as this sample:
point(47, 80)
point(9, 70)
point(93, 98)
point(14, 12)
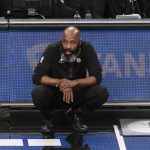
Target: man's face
point(70, 43)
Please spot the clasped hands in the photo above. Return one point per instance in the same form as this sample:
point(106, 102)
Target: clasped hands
point(66, 86)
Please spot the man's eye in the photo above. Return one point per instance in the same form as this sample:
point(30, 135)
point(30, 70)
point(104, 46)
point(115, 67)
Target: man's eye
point(65, 42)
point(71, 42)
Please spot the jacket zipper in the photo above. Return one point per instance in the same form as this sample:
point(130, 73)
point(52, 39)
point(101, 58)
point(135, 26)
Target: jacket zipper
point(70, 71)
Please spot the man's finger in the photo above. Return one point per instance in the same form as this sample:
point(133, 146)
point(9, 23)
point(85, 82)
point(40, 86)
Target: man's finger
point(64, 87)
point(71, 95)
point(68, 96)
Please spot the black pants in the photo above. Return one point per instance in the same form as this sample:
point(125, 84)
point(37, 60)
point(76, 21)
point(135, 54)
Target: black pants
point(46, 97)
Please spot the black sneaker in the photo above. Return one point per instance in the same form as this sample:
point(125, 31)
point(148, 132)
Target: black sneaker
point(50, 135)
point(78, 123)
point(47, 118)
point(48, 127)
point(76, 119)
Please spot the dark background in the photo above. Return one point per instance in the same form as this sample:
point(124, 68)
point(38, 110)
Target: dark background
point(105, 8)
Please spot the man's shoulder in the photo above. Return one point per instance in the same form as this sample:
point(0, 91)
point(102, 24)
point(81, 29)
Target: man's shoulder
point(53, 45)
point(86, 43)
point(52, 49)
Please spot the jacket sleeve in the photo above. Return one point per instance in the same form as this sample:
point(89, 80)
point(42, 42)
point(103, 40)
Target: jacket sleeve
point(93, 65)
point(43, 66)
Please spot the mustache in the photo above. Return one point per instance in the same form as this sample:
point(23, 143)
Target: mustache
point(69, 50)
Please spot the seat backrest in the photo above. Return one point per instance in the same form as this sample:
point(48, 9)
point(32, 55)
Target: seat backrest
point(19, 4)
point(62, 11)
point(46, 8)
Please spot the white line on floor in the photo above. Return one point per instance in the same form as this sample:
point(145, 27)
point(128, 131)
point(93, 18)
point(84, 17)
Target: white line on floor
point(44, 142)
point(120, 139)
point(11, 142)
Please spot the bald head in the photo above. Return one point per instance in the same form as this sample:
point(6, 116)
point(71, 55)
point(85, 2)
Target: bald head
point(70, 39)
point(72, 32)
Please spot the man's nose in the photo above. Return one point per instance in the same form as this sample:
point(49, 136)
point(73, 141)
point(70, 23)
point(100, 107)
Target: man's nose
point(68, 45)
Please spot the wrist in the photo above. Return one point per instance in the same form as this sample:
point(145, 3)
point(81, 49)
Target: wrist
point(77, 82)
point(57, 83)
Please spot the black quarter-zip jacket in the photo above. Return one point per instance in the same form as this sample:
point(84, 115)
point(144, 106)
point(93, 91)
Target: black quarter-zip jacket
point(51, 66)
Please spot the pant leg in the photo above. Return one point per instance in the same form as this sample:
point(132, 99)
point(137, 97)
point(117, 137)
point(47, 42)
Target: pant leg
point(45, 97)
point(96, 96)
point(42, 96)
point(78, 97)
point(92, 97)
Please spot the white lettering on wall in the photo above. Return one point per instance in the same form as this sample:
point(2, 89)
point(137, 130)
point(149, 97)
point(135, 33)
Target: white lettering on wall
point(138, 66)
point(128, 67)
point(111, 65)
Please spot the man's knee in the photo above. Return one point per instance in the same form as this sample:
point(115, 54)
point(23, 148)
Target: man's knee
point(38, 91)
point(97, 96)
point(102, 94)
point(39, 94)
point(99, 91)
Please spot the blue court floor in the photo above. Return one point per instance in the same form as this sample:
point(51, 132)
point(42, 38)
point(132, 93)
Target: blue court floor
point(72, 141)
point(21, 131)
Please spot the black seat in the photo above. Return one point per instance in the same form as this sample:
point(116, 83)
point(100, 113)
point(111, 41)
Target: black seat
point(62, 11)
point(18, 9)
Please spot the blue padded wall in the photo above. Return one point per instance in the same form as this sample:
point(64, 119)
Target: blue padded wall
point(123, 54)
point(4, 69)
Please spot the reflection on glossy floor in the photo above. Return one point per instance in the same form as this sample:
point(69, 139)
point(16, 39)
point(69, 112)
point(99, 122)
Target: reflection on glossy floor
point(72, 141)
point(69, 141)
point(24, 127)
point(21, 131)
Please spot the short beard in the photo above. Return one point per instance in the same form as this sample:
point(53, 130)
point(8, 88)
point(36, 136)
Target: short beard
point(69, 57)
point(71, 52)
